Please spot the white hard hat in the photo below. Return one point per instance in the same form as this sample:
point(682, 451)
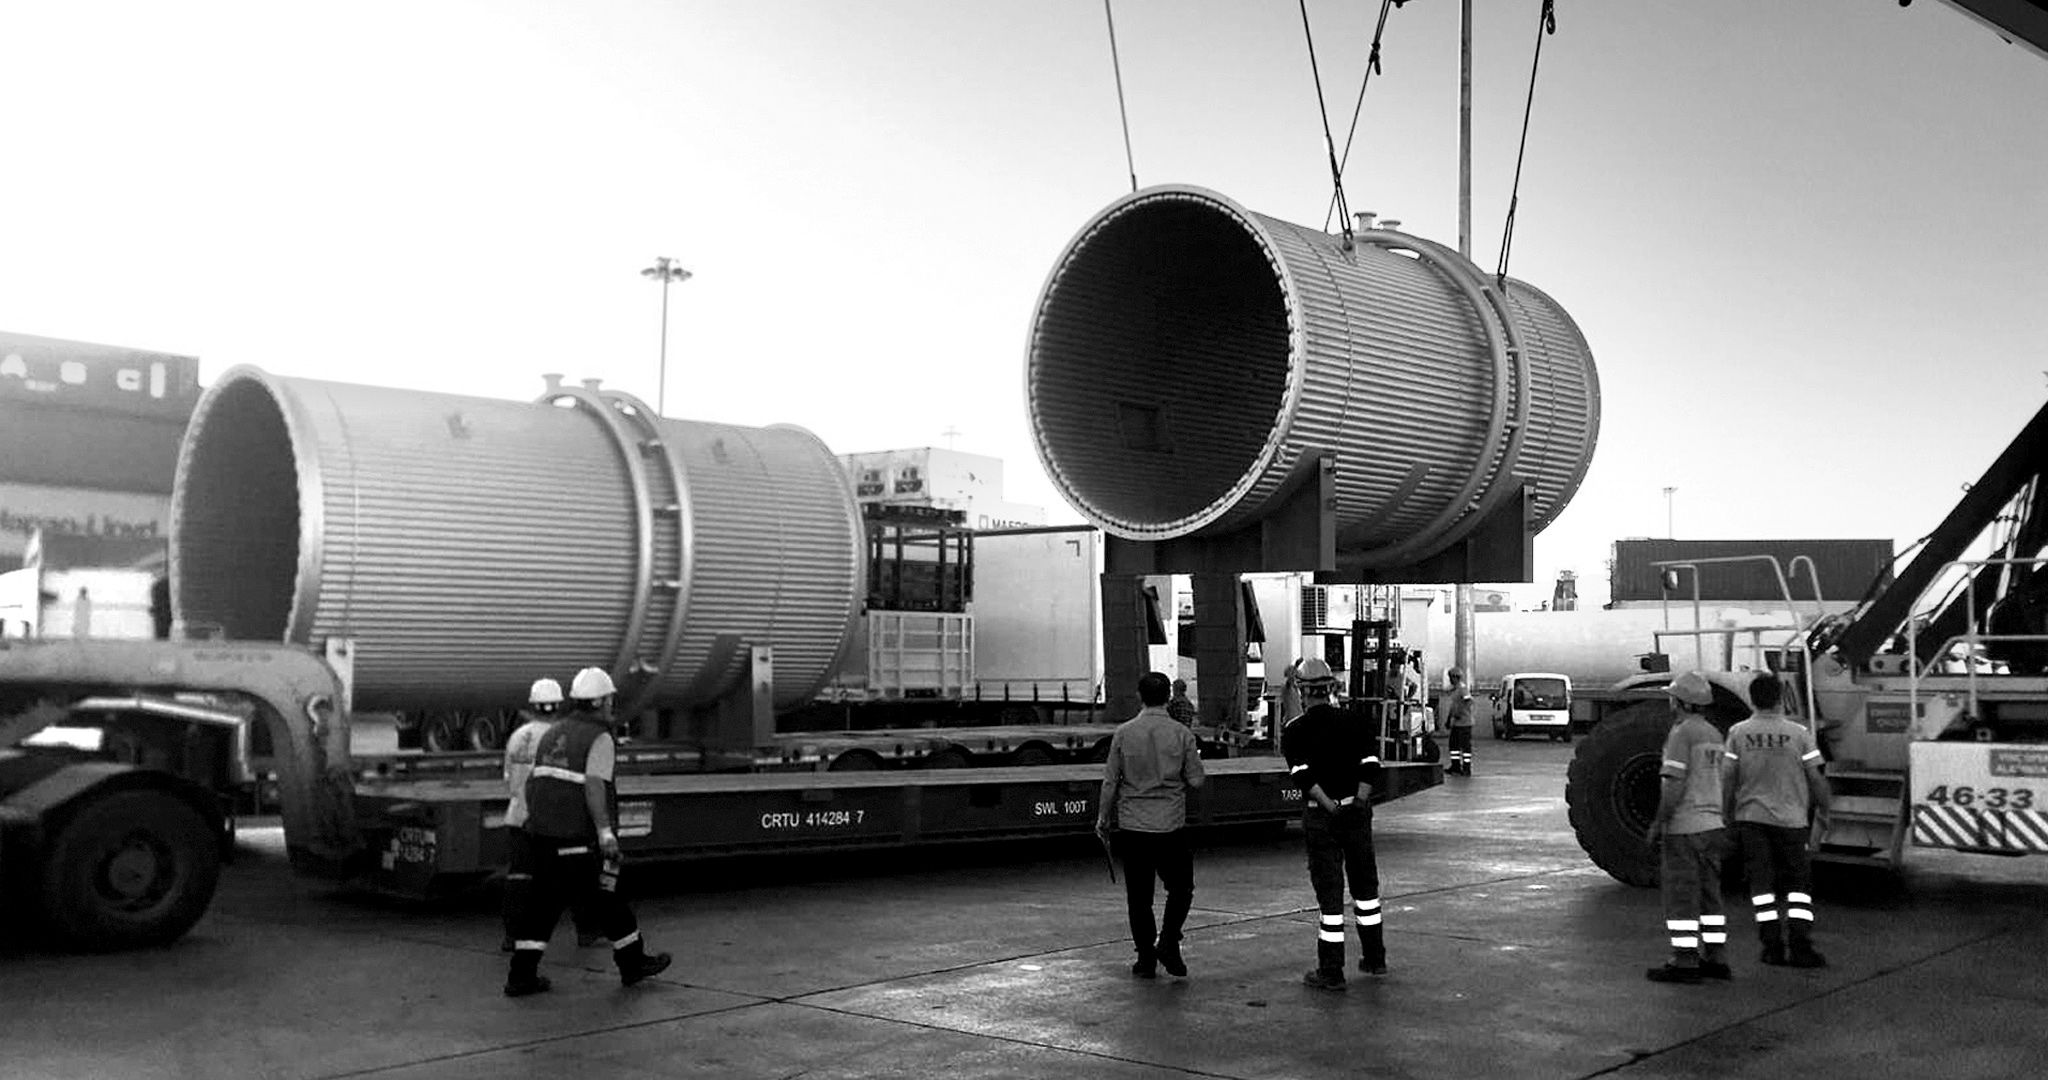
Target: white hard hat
point(545, 692)
point(1313, 672)
point(590, 684)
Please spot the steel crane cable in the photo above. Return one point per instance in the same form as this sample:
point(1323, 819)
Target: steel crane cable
point(1329, 144)
point(1546, 24)
point(1116, 65)
point(1372, 67)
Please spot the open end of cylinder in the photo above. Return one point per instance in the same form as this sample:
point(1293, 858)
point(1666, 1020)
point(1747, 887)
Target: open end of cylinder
point(1160, 365)
point(238, 506)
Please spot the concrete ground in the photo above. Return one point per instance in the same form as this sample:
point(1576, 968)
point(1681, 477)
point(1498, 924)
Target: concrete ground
point(1511, 955)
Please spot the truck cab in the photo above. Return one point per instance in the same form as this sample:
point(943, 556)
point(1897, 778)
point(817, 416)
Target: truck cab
point(1533, 702)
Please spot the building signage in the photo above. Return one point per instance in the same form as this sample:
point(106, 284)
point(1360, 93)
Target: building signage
point(24, 508)
point(84, 375)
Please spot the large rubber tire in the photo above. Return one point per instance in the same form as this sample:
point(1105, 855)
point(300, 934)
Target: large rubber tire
point(130, 869)
point(1611, 791)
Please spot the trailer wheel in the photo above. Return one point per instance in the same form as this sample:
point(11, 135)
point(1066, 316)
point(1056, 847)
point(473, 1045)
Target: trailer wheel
point(130, 869)
point(1033, 754)
point(486, 731)
point(442, 732)
point(952, 757)
point(1611, 791)
point(858, 759)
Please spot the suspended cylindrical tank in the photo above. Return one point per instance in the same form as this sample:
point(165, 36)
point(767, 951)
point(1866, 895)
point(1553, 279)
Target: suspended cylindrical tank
point(1190, 360)
point(471, 545)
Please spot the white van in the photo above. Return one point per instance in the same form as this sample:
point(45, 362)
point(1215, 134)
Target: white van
point(1533, 702)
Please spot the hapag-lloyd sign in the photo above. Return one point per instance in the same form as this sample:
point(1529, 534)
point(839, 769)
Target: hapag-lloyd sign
point(24, 508)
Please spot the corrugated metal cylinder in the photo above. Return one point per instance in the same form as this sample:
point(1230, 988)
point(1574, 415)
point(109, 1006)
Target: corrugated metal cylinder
point(472, 545)
point(1189, 357)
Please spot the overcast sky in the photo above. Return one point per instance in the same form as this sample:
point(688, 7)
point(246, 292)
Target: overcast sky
point(1806, 240)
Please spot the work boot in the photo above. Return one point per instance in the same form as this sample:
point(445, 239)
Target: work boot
point(1672, 973)
point(1374, 968)
point(1145, 967)
point(642, 967)
point(1318, 979)
point(1170, 959)
point(1773, 954)
point(1802, 952)
point(531, 984)
point(1714, 963)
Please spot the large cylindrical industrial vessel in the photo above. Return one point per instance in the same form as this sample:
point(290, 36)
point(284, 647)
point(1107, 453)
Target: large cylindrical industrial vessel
point(1189, 359)
point(471, 545)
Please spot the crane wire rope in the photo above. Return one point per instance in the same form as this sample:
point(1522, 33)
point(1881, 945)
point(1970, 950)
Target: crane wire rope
point(1546, 24)
point(1372, 67)
point(1329, 144)
point(1116, 65)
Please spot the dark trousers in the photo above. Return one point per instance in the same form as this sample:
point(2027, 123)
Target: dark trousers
point(1461, 749)
point(519, 887)
point(1780, 883)
point(1166, 856)
point(1340, 850)
point(1690, 876)
point(570, 873)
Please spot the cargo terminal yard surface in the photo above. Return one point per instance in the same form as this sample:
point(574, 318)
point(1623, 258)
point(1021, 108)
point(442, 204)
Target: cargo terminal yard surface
point(1511, 956)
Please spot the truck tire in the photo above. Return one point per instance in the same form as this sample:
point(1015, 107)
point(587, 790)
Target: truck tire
point(1611, 791)
point(129, 869)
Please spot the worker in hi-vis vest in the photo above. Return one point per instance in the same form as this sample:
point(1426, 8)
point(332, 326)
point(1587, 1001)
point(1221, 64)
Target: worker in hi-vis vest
point(571, 822)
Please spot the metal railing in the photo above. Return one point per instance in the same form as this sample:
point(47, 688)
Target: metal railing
point(1797, 632)
point(1970, 639)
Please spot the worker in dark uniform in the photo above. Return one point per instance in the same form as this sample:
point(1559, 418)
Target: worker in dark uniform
point(1455, 711)
point(1334, 759)
point(543, 709)
point(1774, 780)
point(572, 825)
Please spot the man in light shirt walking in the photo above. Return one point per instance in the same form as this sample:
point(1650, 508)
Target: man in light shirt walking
point(1153, 761)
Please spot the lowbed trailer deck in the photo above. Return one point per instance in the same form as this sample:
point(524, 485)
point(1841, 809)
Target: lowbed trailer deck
point(435, 835)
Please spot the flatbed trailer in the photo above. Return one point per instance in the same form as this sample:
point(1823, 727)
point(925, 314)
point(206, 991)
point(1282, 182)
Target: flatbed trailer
point(425, 825)
point(437, 835)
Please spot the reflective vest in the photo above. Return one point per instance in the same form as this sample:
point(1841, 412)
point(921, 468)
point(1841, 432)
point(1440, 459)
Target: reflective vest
point(555, 806)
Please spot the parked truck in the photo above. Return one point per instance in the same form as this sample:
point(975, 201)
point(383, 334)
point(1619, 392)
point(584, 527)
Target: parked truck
point(1929, 699)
